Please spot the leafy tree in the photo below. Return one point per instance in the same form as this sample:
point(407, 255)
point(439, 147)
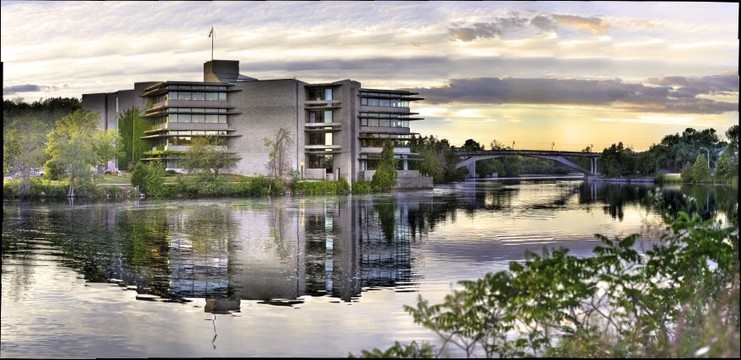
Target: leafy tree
point(385, 176)
point(700, 169)
point(208, 155)
point(149, 178)
point(24, 142)
point(279, 164)
point(472, 145)
point(727, 166)
point(131, 126)
point(686, 174)
point(616, 161)
point(438, 159)
point(77, 144)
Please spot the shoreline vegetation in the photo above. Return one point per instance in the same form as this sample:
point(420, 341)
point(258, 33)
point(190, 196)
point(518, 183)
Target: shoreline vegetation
point(120, 187)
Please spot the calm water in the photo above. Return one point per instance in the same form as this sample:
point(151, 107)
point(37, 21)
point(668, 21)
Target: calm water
point(305, 276)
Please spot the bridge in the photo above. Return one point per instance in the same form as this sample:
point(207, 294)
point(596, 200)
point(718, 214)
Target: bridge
point(470, 157)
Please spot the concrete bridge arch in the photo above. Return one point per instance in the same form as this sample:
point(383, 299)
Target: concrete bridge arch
point(469, 159)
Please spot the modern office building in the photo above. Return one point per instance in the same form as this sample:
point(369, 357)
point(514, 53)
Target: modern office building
point(337, 129)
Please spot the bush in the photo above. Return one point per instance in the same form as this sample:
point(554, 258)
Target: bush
point(678, 299)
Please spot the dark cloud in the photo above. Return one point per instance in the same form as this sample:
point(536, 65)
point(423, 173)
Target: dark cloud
point(543, 23)
point(631, 96)
point(12, 90)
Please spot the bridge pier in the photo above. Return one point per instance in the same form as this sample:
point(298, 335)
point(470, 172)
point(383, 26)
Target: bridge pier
point(472, 170)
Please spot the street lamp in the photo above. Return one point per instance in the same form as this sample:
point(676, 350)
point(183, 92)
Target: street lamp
point(513, 144)
point(552, 145)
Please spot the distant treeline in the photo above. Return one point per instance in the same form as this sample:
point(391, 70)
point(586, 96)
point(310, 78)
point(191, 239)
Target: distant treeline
point(47, 110)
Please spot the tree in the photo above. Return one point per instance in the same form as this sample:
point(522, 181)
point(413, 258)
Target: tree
point(77, 144)
point(208, 154)
point(385, 176)
point(131, 126)
point(279, 164)
point(24, 142)
point(700, 169)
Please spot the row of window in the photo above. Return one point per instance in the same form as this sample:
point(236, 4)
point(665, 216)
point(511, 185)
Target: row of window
point(198, 132)
point(195, 110)
point(188, 140)
point(379, 143)
point(384, 102)
point(193, 118)
point(377, 115)
point(319, 116)
point(384, 123)
point(195, 87)
point(188, 95)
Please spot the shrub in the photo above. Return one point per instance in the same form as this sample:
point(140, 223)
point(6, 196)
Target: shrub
point(678, 299)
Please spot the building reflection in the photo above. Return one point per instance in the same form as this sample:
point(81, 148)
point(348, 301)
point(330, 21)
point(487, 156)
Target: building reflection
point(278, 253)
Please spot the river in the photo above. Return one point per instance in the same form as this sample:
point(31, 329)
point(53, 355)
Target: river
point(315, 276)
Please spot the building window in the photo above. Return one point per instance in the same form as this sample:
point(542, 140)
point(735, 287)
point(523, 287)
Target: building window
point(321, 162)
point(198, 96)
point(319, 117)
point(320, 94)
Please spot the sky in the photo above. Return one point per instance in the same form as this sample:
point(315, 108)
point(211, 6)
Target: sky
point(533, 75)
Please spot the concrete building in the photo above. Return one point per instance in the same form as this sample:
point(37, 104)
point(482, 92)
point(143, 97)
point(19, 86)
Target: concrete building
point(337, 129)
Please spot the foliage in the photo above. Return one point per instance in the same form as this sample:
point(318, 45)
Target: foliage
point(678, 149)
point(385, 176)
point(398, 350)
point(77, 144)
point(616, 161)
point(48, 111)
point(148, 178)
point(24, 141)
point(700, 170)
point(678, 299)
point(437, 160)
point(311, 187)
point(727, 166)
point(131, 126)
point(206, 155)
point(362, 187)
point(686, 174)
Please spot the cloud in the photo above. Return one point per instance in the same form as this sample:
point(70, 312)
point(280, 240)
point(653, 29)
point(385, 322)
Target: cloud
point(541, 23)
point(13, 90)
point(670, 94)
point(593, 24)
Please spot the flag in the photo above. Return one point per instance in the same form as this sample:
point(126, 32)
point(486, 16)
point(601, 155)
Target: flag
point(211, 32)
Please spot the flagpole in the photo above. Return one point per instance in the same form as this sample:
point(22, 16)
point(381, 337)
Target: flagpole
point(212, 43)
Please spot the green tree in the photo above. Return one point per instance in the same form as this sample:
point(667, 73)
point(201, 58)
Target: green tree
point(686, 174)
point(208, 155)
point(148, 178)
point(24, 143)
point(385, 176)
point(77, 144)
point(131, 126)
point(700, 169)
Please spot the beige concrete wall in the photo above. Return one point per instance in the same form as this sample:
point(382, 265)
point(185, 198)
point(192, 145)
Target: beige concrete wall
point(265, 107)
